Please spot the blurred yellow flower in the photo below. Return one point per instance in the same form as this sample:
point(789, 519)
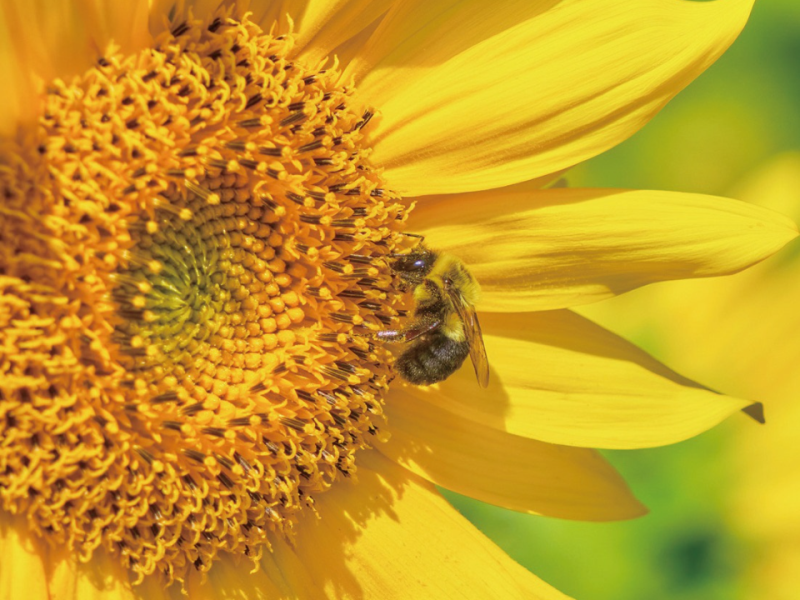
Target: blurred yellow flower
point(195, 226)
point(751, 320)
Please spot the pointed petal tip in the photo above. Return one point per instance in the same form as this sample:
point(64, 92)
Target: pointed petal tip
point(642, 511)
point(785, 225)
point(632, 509)
point(756, 412)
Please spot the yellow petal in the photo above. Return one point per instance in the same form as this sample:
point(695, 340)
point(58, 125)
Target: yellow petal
point(22, 570)
point(323, 25)
point(102, 578)
point(285, 568)
point(123, 23)
point(390, 535)
point(232, 577)
point(743, 318)
point(565, 247)
point(166, 14)
point(476, 95)
point(59, 39)
point(43, 40)
point(776, 185)
point(30, 568)
point(18, 102)
point(559, 378)
point(321, 28)
point(503, 469)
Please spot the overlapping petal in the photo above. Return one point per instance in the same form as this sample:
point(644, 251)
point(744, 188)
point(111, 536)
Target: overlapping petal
point(565, 247)
point(319, 27)
point(323, 25)
point(559, 378)
point(392, 536)
point(102, 578)
point(166, 12)
point(43, 40)
point(507, 470)
point(476, 95)
point(22, 568)
point(232, 578)
point(18, 102)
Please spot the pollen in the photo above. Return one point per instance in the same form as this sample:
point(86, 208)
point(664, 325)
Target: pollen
point(193, 251)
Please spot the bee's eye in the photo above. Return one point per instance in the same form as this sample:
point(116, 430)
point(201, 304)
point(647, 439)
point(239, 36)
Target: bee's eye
point(411, 264)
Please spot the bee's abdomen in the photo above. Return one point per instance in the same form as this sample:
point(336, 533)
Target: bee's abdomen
point(431, 359)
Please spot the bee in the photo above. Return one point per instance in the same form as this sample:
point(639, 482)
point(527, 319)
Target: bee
point(444, 328)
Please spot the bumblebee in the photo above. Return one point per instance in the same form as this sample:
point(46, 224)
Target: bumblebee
point(444, 328)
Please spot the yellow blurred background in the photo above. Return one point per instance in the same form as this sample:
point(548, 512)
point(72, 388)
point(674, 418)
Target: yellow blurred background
point(725, 506)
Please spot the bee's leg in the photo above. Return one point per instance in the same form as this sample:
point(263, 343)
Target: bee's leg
point(410, 332)
point(416, 235)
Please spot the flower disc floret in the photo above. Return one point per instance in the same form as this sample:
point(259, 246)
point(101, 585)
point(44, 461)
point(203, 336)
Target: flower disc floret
point(193, 249)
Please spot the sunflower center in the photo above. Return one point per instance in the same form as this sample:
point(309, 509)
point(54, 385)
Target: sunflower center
point(192, 242)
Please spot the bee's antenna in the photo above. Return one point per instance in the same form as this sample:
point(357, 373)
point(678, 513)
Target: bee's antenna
point(400, 254)
point(415, 235)
point(421, 238)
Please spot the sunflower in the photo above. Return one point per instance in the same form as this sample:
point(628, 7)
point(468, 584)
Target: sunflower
point(201, 204)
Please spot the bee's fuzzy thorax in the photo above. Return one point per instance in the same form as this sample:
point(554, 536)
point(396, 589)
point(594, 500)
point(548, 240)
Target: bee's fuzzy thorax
point(451, 267)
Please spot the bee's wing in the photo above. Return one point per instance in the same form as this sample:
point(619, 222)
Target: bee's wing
point(472, 331)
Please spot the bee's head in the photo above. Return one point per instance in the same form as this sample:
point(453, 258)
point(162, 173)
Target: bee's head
point(415, 264)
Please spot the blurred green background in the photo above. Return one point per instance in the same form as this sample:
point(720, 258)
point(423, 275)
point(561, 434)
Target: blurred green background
point(744, 110)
